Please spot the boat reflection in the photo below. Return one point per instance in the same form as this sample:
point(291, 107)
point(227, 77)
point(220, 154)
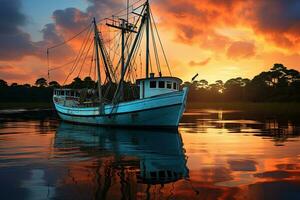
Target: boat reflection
point(156, 157)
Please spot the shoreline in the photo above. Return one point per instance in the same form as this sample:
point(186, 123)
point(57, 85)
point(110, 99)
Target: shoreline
point(25, 105)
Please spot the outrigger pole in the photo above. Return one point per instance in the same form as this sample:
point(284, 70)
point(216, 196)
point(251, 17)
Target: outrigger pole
point(147, 13)
point(96, 39)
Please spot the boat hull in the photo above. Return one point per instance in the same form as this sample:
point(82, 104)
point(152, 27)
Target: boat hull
point(161, 111)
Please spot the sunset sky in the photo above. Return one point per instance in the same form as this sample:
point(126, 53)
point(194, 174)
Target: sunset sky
point(217, 39)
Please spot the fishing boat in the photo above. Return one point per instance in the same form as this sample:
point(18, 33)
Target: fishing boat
point(161, 99)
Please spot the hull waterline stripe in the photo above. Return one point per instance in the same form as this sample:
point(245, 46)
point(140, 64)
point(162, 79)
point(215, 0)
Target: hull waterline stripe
point(123, 113)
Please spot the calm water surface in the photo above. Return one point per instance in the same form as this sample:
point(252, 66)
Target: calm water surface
point(214, 155)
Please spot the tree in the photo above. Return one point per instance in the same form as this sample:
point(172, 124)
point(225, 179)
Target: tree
point(41, 82)
point(217, 87)
point(88, 82)
point(202, 84)
point(3, 83)
point(54, 84)
point(26, 85)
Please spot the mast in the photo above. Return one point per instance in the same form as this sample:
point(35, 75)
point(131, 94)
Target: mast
point(147, 13)
point(96, 38)
point(125, 27)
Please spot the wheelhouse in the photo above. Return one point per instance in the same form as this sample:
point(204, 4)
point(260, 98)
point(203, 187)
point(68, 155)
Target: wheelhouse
point(154, 86)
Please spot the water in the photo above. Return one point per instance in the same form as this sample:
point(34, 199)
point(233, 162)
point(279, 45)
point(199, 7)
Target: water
point(214, 155)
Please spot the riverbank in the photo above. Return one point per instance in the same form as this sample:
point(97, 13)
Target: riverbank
point(25, 105)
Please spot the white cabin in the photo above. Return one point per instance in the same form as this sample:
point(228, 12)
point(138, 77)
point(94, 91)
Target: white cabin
point(154, 86)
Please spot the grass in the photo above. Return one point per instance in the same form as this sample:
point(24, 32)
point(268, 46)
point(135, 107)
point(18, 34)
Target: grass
point(25, 105)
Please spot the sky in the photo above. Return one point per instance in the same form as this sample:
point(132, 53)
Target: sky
point(218, 39)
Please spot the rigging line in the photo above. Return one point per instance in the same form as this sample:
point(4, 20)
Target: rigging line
point(61, 66)
point(115, 47)
point(151, 69)
point(141, 64)
point(88, 50)
point(126, 42)
point(129, 57)
point(92, 61)
point(48, 65)
point(155, 49)
point(87, 27)
point(138, 44)
point(78, 57)
point(115, 14)
point(165, 57)
point(71, 38)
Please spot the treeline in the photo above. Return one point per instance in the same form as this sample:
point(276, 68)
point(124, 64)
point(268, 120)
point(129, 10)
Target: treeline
point(42, 91)
point(279, 84)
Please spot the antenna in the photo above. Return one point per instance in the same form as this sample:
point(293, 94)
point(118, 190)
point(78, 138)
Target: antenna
point(127, 10)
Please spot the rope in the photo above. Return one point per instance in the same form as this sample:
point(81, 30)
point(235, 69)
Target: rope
point(78, 57)
point(165, 57)
point(155, 50)
point(73, 37)
point(92, 60)
point(89, 48)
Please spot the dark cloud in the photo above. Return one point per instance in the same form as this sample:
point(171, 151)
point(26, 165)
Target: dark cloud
point(50, 34)
point(14, 42)
point(280, 16)
point(52, 37)
point(279, 21)
point(104, 8)
point(71, 19)
point(10, 16)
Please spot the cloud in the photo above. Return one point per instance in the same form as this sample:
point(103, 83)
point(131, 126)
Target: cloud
point(277, 21)
point(71, 20)
point(200, 63)
point(196, 22)
point(11, 17)
point(14, 42)
point(241, 49)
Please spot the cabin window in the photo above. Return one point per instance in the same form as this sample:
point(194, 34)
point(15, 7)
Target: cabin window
point(152, 84)
point(169, 85)
point(161, 84)
point(72, 93)
point(153, 175)
point(62, 93)
point(174, 86)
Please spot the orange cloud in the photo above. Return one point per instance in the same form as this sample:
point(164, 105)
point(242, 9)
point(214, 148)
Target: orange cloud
point(201, 63)
point(241, 49)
